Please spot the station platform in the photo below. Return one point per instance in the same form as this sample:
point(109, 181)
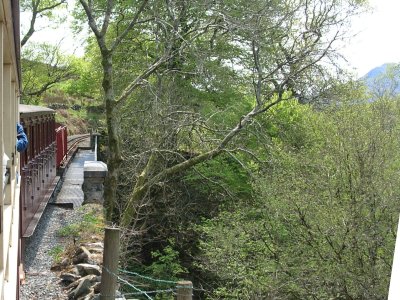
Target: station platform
point(71, 193)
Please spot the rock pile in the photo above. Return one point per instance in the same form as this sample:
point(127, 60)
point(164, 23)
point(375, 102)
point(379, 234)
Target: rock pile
point(81, 274)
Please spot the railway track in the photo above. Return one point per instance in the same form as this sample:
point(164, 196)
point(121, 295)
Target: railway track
point(74, 141)
point(72, 144)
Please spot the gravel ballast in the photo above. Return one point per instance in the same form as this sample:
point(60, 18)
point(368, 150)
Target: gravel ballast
point(40, 281)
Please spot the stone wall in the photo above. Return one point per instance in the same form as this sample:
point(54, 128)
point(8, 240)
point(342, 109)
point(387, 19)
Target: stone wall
point(94, 173)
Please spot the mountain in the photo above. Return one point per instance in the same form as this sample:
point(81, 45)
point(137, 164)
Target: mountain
point(384, 79)
point(375, 72)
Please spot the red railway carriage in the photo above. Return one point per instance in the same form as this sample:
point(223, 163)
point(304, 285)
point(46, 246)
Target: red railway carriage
point(61, 142)
point(39, 163)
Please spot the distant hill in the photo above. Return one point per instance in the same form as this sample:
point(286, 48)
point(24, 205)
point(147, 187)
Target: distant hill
point(383, 79)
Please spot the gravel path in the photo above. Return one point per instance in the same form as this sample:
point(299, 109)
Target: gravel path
point(41, 283)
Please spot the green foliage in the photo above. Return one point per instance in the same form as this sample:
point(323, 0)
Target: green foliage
point(42, 5)
point(72, 230)
point(48, 73)
point(91, 223)
point(87, 83)
point(219, 175)
point(43, 68)
point(322, 222)
point(288, 121)
point(166, 264)
point(161, 274)
point(56, 253)
point(235, 59)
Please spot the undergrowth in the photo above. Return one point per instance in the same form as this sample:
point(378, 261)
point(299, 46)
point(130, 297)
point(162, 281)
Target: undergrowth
point(90, 226)
point(56, 253)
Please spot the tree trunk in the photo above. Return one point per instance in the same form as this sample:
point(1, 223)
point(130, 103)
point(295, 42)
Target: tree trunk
point(139, 190)
point(114, 150)
point(144, 182)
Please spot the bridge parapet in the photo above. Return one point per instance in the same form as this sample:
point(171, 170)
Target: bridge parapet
point(94, 173)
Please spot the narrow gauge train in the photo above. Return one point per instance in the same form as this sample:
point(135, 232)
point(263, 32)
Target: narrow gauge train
point(46, 151)
point(39, 163)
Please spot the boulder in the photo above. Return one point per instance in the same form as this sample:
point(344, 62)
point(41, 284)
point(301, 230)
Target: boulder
point(65, 262)
point(73, 270)
point(69, 277)
point(88, 269)
point(56, 267)
point(82, 249)
point(82, 289)
point(96, 250)
point(74, 284)
point(88, 296)
point(82, 255)
point(96, 259)
point(96, 287)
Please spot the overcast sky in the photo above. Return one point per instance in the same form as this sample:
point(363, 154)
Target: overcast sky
point(378, 39)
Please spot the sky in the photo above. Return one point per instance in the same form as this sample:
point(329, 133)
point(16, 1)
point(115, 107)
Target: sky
point(377, 40)
point(61, 35)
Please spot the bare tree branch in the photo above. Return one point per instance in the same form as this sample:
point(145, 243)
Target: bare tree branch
point(107, 15)
point(92, 22)
point(37, 12)
point(128, 29)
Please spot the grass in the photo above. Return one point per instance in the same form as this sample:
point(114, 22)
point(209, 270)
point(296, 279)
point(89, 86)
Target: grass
point(91, 224)
point(90, 228)
point(69, 231)
point(56, 253)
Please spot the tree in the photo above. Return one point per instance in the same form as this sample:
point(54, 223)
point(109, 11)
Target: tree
point(385, 84)
point(43, 66)
point(38, 9)
point(323, 220)
point(284, 65)
point(129, 22)
point(88, 83)
point(280, 48)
